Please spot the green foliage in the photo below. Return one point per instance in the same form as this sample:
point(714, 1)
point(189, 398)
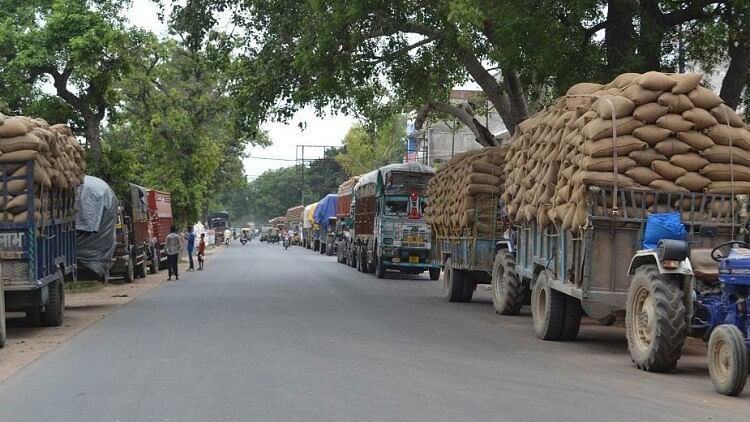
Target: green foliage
point(366, 149)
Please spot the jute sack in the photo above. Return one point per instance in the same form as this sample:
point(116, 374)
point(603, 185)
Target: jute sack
point(640, 95)
point(40, 174)
point(21, 217)
point(719, 172)
point(646, 156)
point(704, 98)
point(667, 170)
point(622, 106)
point(696, 140)
point(694, 182)
point(643, 175)
point(600, 128)
point(484, 179)
point(24, 155)
point(672, 146)
point(488, 168)
point(606, 147)
point(689, 161)
point(18, 203)
point(16, 186)
point(651, 134)
point(720, 154)
point(728, 187)
point(13, 126)
point(724, 135)
point(675, 122)
point(474, 189)
point(666, 186)
point(677, 103)
point(656, 81)
point(725, 115)
point(607, 164)
point(603, 178)
point(583, 88)
point(649, 113)
point(17, 143)
point(624, 79)
point(685, 82)
point(700, 118)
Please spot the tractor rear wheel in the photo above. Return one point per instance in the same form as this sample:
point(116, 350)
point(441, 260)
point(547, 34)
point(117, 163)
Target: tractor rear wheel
point(727, 359)
point(547, 308)
point(53, 312)
point(453, 283)
point(507, 290)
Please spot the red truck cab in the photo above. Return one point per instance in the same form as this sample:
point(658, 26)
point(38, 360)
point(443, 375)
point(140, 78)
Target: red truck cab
point(160, 220)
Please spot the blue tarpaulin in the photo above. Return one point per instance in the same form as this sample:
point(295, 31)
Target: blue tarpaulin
point(663, 226)
point(326, 209)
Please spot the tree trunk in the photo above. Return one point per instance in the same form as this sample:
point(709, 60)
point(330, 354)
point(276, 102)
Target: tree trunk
point(651, 35)
point(492, 89)
point(518, 106)
point(481, 133)
point(93, 135)
point(738, 73)
point(619, 38)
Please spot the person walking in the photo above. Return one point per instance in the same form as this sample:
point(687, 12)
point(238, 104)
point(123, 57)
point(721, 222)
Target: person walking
point(190, 247)
point(201, 251)
point(173, 252)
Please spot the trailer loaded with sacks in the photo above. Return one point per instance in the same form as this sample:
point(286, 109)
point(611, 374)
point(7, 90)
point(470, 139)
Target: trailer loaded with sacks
point(41, 167)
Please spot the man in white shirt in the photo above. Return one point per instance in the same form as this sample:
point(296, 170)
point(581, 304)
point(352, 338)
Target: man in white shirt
point(227, 236)
point(172, 247)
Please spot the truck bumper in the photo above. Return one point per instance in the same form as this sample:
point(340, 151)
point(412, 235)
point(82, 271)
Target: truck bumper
point(421, 265)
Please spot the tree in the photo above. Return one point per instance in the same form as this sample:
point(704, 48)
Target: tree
point(367, 148)
point(81, 47)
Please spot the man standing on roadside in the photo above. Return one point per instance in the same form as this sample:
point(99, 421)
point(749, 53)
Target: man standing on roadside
point(173, 252)
point(190, 247)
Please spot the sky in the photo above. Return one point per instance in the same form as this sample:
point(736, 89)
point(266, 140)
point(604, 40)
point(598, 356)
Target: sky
point(286, 137)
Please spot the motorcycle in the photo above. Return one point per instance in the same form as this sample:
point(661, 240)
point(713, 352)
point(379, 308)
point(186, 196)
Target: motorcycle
point(244, 240)
point(287, 241)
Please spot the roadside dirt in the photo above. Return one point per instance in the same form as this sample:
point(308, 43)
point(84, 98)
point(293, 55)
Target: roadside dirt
point(26, 344)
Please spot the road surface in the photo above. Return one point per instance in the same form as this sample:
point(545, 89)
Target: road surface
point(271, 335)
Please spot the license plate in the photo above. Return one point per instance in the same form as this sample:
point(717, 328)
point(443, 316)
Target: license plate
point(414, 239)
point(414, 259)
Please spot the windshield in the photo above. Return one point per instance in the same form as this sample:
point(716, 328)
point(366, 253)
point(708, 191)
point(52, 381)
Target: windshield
point(396, 205)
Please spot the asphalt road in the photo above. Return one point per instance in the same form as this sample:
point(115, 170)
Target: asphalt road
point(271, 335)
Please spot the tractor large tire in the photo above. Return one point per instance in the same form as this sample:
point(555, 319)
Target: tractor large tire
point(727, 359)
point(53, 312)
point(379, 268)
point(654, 320)
point(571, 319)
point(129, 274)
point(434, 274)
point(507, 290)
point(547, 309)
point(453, 283)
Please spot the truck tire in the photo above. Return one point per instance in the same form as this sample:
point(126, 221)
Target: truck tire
point(53, 312)
point(453, 283)
point(352, 259)
point(507, 290)
point(129, 275)
point(572, 318)
point(654, 320)
point(547, 308)
point(34, 316)
point(140, 270)
point(434, 274)
point(470, 285)
point(379, 268)
point(727, 359)
point(153, 267)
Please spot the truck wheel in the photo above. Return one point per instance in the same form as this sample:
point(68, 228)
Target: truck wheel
point(727, 359)
point(507, 290)
point(53, 312)
point(34, 316)
point(469, 286)
point(129, 272)
point(547, 309)
point(434, 274)
point(453, 283)
point(352, 259)
point(153, 267)
point(379, 268)
point(572, 319)
point(654, 320)
point(140, 270)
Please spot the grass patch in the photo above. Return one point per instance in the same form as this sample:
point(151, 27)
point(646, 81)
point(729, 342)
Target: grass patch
point(83, 286)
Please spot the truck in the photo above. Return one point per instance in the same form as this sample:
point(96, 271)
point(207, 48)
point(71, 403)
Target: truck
point(389, 229)
point(97, 233)
point(37, 244)
point(219, 221)
point(269, 233)
point(325, 218)
point(294, 218)
point(344, 221)
point(160, 222)
point(134, 225)
point(476, 255)
point(310, 228)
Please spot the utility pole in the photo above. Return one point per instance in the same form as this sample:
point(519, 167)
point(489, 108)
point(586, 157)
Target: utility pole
point(301, 161)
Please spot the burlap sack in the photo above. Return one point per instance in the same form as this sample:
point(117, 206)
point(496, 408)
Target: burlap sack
point(19, 203)
point(728, 187)
point(699, 117)
point(675, 122)
point(18, 143)
point(696, 140)
point(656, 81)
point(488, 168)
point(622, 107)
point(667, 170)
point(484, 179)
point(642, 175)
point(686, 82)
point(689, 161)
point(13, 126)
point(723, 154)
point(694, 182)
point(672, 146)
point(726, 135)
point(664, 185)
point(583, 88)
point(624, 79)
point(704, 98)
point(646, 156)
point(474, 189)
point(649, 113)
point(607, 164)
point(640, 95)
point(600, 128)
point(606, 178)
point(677, 103)
point(651, 134)
point(606, 147)
point(24, 155)
point(719, 172)
point(725, 115)
point(21, 217)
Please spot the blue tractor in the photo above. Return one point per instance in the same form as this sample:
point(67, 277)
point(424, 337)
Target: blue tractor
point(721, 316)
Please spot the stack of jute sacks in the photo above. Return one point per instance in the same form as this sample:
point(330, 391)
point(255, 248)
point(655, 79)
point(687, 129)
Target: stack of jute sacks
point(277, 220)
point(655, 132)
point(58, 166)
point(294, 215)
point(347, 187)
point(461, 194)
